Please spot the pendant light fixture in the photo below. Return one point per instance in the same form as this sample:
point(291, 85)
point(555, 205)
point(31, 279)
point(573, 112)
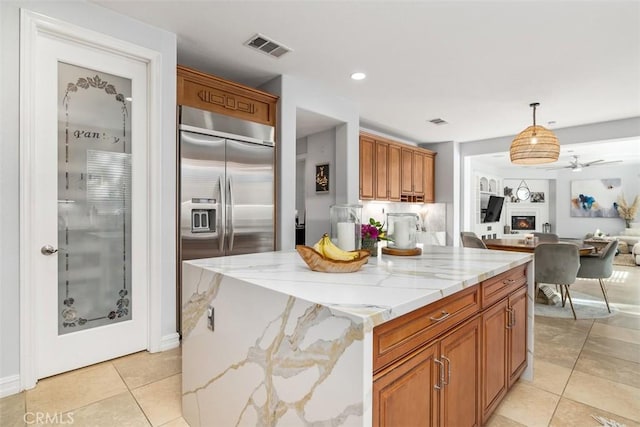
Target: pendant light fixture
point(535, 145)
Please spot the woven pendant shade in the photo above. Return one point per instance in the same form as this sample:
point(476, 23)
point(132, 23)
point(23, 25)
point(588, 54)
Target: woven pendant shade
point(545, 149)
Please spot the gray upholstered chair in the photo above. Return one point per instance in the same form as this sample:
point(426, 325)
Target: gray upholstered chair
point(599, 266)
point(546, 237)
point(557, 264)
point(470, 240)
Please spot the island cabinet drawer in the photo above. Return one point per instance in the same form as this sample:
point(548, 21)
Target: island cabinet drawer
point(400, 336)
point(498, 287)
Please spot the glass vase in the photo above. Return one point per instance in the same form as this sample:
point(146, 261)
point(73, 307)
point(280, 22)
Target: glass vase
point(346, 226)
point(370, 245)
point(401, 230)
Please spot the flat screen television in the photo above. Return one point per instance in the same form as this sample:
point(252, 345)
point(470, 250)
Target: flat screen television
point(494, 209)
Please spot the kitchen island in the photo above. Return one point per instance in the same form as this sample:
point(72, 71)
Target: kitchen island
point(266, 341)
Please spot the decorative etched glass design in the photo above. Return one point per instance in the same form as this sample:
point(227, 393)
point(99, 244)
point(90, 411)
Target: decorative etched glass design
point(94, 198)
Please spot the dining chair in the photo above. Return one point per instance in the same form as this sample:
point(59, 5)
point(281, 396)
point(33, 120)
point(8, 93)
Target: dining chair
point(470, 240)
point(599, 266)
point(557, 264)
point(546, 237)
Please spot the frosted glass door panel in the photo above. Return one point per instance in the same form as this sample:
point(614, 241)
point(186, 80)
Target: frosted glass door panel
point(94, 199)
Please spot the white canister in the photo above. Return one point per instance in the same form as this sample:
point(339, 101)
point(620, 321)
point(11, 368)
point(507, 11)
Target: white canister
point(401, 230)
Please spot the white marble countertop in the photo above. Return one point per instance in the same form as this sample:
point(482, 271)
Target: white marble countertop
point(386, 287)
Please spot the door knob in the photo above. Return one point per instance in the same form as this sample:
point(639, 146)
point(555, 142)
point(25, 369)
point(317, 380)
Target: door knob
point(48, 250)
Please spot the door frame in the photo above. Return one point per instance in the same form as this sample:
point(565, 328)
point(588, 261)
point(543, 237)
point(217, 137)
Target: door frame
point(33, 26)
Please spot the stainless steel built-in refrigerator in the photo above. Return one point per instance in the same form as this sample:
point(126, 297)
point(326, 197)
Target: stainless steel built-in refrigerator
point(226, 185)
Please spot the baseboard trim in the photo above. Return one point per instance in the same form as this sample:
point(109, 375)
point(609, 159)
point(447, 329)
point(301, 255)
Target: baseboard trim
point(168, 342)
point(9, 385)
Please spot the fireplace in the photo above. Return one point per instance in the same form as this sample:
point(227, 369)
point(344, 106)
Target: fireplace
point(523, 222)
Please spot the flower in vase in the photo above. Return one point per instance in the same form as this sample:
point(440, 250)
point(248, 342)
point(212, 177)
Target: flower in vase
point(373, 231)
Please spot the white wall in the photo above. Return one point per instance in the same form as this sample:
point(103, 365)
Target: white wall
point(321, 148)
point(297, 93)
point(101, 20)
point(577, 227)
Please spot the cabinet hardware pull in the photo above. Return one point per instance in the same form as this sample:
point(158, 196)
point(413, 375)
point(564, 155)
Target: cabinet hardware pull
point(508, 313)
point(448, 371)
point(441, 378)
point(509, 281)
point(438, 319)
point(513, 316)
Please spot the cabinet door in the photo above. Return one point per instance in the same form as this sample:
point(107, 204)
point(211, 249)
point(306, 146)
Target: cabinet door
point(418, 173)
point(394, 171)
point(407, 171)
point(460, 397)
point(367, 165)
point(429, 179)
point(518, 334)
point(495, 337)
point(381, 176)
point(405, 395)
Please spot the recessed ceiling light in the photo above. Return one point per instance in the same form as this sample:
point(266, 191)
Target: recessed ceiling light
point(358, 76)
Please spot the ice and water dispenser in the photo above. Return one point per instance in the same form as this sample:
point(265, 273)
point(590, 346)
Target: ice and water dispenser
point(203, 215)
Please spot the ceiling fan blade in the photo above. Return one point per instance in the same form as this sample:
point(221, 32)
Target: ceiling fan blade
point(600, 163)
point(560, 167)
point(592, 162)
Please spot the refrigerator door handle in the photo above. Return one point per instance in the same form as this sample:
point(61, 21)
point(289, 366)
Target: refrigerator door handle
point(230, 216)
point(221, 231)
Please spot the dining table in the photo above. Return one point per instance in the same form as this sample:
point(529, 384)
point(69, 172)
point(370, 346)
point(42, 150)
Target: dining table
point(522, 245)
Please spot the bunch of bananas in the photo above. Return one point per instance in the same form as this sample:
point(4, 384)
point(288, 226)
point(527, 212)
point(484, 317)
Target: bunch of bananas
point(328, 249)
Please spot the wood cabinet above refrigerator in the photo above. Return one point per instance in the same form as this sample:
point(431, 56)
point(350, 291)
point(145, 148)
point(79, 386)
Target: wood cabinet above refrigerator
point(392, 171)
point(206, 92)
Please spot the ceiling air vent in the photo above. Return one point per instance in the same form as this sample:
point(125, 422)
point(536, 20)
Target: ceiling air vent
point(268, 46)
point(438, 122)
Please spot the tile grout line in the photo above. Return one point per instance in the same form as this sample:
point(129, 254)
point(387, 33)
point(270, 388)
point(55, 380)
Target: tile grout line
point(130, 391)
point(572, 370)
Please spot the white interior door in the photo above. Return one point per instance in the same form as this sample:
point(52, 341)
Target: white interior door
point(89, 242)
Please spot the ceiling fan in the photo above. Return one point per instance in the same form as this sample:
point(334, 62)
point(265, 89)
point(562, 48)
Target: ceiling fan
point(576, 166)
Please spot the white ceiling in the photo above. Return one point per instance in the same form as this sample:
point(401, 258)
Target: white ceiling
point(476, 64)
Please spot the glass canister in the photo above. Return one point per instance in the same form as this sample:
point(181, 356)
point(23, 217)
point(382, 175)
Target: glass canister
point(345, 226)
point(401, 230)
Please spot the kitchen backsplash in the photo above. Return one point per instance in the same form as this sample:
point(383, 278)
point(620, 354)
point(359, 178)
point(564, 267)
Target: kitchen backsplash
point(431, 217)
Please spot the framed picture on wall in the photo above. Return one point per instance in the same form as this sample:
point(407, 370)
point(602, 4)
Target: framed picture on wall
point(322, 178)
point(537, 197)
point(595, 198)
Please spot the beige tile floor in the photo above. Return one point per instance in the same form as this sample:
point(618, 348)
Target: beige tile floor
point(582, 368)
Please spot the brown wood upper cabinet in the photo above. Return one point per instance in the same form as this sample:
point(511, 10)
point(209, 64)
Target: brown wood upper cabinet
point(396, 172)
point(206, 92)
point(367, 168)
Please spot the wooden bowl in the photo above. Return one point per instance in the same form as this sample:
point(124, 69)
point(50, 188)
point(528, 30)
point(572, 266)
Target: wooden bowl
point(317, 262)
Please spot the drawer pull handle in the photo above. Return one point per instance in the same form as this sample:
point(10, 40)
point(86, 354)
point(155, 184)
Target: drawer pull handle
point(448, 371)
point(438, 319)
point(509, 319)
point(508, 281)
point(440, 383)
